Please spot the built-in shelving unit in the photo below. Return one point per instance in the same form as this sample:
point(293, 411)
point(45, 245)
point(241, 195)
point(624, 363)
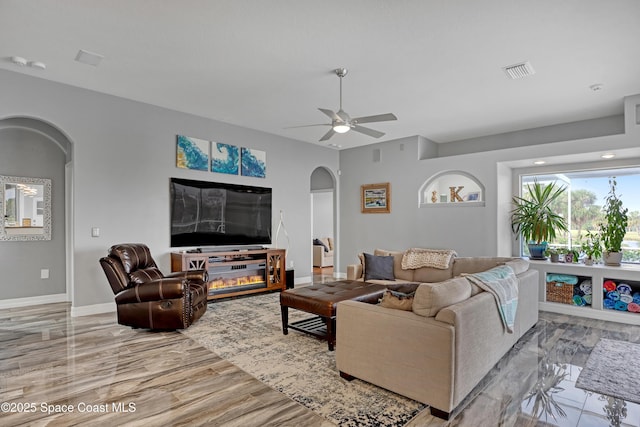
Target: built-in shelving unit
point(603, 279)
point(451, 188)
point(236, 272)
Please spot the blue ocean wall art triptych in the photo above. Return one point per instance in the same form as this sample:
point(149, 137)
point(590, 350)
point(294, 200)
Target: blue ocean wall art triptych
point(198, 154)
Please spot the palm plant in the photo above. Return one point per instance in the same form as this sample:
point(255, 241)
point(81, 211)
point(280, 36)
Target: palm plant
point(533, 216)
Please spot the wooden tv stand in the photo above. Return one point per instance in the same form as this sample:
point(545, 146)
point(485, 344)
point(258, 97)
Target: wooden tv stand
point(236, 272)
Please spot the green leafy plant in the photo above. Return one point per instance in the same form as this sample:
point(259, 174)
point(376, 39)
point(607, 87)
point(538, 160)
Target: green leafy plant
point(552, 251)
point(533, 217)
point(615, 226)
point(592, 245)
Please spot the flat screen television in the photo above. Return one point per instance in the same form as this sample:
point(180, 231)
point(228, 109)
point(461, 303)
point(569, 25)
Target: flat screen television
point(205, 213)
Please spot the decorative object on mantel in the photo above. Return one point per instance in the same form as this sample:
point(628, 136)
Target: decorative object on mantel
point(434, 196)
point(192, 153)
point(254, 163)
point(375, 198)
point(615, 226)
point(533, 218)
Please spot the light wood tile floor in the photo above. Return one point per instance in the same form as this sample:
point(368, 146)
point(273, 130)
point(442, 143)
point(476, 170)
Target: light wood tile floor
point(61, 371)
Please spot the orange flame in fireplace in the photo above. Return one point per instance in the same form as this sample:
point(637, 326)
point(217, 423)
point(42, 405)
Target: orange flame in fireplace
point(221, 283)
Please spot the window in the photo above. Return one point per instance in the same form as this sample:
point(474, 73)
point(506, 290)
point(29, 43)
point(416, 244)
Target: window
point(582, 204)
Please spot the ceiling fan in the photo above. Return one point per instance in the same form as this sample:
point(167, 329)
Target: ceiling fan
point(341, 122)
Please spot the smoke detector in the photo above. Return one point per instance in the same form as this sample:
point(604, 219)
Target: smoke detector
point(517, 71)
point(89, 58)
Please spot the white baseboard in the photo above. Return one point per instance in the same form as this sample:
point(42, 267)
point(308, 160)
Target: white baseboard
point(87, 310)
point(340, 275)
point(25, 302)
point(609, 315)
point(301, 280)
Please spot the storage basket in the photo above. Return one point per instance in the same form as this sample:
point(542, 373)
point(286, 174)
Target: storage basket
point(559, 292)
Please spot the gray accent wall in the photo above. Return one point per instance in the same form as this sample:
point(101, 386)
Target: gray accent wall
point(123, 156)
point(30, 154)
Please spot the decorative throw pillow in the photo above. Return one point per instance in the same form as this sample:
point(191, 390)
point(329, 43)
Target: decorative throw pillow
point(397, 300)
point(378, 267)
point(318, 242)
point(430, 298)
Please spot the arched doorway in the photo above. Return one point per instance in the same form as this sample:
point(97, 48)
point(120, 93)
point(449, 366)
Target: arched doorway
point(323, 222)
point(33, 148)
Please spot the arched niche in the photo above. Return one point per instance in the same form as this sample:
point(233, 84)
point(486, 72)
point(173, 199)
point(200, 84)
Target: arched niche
point(451, 188)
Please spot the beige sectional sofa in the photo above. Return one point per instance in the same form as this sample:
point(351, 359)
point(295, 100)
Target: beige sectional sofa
point(439, 356)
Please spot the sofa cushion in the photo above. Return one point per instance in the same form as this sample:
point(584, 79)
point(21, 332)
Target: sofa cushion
point(432, 275)
point(430, 298)
point(480, 264)
point(397, 300)
point(518, 265)
point(399, 273)
point(378, 267)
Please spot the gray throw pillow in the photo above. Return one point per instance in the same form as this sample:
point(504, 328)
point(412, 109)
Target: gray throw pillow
point(378, 267)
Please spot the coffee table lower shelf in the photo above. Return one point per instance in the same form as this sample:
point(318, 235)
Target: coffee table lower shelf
point(316, 326)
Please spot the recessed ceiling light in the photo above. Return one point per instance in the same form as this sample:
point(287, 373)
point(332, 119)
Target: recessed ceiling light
point(334, 145)
point(596, 87)
point(608, 156)
point(89, 58)
point(539, 162)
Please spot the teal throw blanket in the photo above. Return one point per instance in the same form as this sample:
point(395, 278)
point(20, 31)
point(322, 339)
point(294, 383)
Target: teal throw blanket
point(501, 282)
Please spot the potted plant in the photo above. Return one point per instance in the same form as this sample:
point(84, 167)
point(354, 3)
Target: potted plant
point(553, 254)
point(613, 229)
point(592, 247)
point(571, 256)
point(534, 219)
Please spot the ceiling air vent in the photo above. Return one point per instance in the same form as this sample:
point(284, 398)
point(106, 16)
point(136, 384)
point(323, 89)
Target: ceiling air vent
point(517, 71)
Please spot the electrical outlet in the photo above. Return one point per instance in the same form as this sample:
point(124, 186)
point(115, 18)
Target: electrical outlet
point(44, 273)
point(95, 232)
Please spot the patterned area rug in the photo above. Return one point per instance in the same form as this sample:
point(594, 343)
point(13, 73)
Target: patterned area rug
point(248, 333)
point(613, 369)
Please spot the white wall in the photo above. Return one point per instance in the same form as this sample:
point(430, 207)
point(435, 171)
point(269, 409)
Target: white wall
point(322, 214)
point(124, 155)
point(31, 154)
point(471, 231)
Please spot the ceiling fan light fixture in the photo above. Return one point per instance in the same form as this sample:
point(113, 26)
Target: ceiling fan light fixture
point(341, 128)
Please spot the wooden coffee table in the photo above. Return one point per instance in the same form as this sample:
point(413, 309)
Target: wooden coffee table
point(321, 300)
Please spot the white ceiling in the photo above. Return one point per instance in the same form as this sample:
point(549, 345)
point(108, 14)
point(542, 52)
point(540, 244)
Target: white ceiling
point(268, 64)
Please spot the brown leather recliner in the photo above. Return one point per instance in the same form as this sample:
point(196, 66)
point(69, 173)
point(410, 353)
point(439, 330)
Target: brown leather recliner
point(146, 298)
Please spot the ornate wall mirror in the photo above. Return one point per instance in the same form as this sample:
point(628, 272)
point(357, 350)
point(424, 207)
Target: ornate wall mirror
point(25, 204)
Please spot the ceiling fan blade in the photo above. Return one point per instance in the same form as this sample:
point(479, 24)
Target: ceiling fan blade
point(376, 118)
point(307, 126)
point(328, 135)
point(330, 113)
point(367, 131)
